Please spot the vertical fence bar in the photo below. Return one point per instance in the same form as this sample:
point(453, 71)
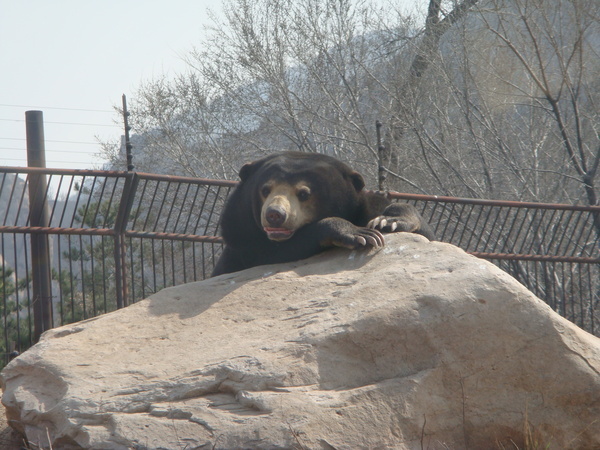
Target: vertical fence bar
point(38, 214)
point(4, 293)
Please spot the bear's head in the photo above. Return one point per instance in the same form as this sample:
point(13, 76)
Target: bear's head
point(290, 190)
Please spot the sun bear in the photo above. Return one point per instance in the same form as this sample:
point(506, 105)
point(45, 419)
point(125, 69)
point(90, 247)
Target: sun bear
point(289, 206)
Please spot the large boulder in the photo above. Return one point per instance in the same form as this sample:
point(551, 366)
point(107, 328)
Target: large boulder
point(417, 345)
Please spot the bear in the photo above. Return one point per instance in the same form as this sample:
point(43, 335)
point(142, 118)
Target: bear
point(292, 205)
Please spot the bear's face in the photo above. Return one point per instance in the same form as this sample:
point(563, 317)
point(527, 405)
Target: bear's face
point(291, 190)
point(286, 207)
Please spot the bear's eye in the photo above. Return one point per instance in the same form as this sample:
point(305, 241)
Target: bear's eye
point(265, 191)
point(303, 194)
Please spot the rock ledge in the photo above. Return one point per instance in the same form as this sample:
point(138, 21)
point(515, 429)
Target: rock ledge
point(417, 345)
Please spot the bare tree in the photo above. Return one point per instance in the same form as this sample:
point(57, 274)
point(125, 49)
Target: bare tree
point(179, 127)
point(556, 48)
point(300, 73)
point(508, 105)
point(310, 75)
point(494, 98)
point(274, 75)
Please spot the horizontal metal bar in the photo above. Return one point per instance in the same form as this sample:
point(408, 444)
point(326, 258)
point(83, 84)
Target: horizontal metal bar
point(59, 230)
point(72, 172)
point(230, 183)
point(111, 232)
point(219, 240)
point(192, 180)
point(504, 203)
point(116, 174)
point(174, 236)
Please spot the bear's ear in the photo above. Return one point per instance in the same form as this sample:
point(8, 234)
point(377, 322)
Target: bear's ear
point(248, 169)
point(357, 181)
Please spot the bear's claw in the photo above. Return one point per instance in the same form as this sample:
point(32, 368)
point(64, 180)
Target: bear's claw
point(387, 224)
point(364, 237)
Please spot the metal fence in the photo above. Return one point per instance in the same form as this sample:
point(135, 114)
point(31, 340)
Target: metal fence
point(113, 238)
point(551, 249)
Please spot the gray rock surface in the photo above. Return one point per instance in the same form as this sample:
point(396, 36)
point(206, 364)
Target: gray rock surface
point(417, 345)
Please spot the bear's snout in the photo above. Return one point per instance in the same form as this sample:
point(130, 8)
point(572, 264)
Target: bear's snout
point(275, 216)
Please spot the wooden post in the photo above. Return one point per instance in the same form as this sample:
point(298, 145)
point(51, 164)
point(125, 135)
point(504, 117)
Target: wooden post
point(38, 217)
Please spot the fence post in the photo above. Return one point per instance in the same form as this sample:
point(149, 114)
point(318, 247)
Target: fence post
point(38, 217)
point(131, 182)
point(380, 152)
point(128, 145)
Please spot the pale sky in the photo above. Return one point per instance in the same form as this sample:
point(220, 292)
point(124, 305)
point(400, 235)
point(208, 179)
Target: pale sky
point(73, 60)
point(82, 55)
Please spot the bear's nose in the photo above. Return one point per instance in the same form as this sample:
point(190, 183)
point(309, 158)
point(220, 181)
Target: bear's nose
point(275, 216)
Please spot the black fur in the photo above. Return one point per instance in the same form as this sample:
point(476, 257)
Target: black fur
point(343, 210)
